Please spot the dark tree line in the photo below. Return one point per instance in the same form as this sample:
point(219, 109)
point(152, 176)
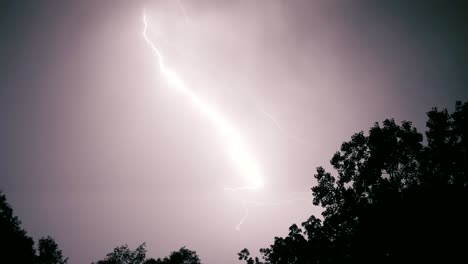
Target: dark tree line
point(124, 255)
point(17, 247)
point(394, 199)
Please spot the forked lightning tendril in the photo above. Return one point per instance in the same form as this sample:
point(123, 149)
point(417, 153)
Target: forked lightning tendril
point(243, 219)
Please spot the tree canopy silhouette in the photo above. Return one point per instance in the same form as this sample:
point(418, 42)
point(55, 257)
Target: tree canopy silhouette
point(182, 256)
point(49, 252)
point(17, 247)
point(124, 255)
point(393, 200)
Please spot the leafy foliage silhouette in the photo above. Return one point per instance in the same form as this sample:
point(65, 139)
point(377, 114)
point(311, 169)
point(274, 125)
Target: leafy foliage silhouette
point(17, 247)
point(393, 199)
point(124, 255)
point(49, 252)
point(182, 256)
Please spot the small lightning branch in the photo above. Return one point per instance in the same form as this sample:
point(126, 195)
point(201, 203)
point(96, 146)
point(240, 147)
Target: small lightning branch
point(272, 118)
point(238, 226)
point(281, 129)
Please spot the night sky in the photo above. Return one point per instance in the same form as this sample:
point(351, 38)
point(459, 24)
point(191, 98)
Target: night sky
point(97, 150)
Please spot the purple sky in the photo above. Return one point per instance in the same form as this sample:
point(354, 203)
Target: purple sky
point(98, 151)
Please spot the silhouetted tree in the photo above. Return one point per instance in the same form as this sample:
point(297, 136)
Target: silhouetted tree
point(15, 245)
point(152, 261)
point(49, 252)
point(123, 255)
point(182, 256)
point(393, 199)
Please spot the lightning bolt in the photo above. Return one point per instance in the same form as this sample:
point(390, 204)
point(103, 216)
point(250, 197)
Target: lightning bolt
point(235, 144)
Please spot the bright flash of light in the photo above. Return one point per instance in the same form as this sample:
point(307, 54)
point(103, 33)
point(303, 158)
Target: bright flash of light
point(235, 144)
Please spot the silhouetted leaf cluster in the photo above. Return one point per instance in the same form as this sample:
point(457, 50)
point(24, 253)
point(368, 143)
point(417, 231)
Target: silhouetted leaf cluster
point(124, 255)
point(17, 247)
point(49, 252)
point(182, 256)
point(393, 200)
